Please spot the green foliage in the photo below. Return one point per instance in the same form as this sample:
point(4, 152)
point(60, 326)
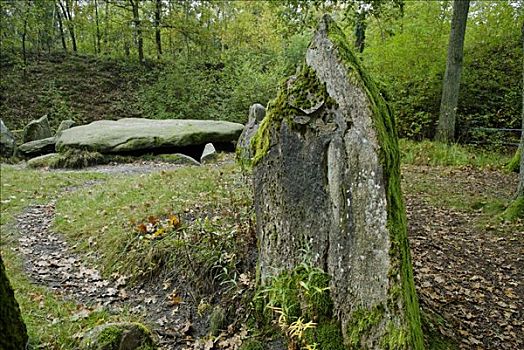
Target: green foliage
point(77, 159)
point(300, 298)
point(515, 210)
point(206, 247)
point(361, 323)
point(217, 320)
point(252, 345)
point(514, 163)
point(440, 154)
point(410, 62)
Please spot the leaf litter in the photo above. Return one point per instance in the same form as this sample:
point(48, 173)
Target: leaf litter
point(470, 276)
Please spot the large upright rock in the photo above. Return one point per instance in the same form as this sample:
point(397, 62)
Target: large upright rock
point(13, 333)
point(137, 134)
point(327, 180)
point(37, 130)
point(257, 112)
point(7, 141)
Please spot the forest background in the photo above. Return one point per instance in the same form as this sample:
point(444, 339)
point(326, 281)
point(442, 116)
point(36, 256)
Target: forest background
point(213, 59)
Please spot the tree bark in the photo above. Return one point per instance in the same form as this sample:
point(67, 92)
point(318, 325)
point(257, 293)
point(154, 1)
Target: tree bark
point(520, 188)
point(98, 36)
point(138, 29)
point(158, 38)
point(360, 31)
point(70, 25)
point(451, 87)
point(61, 28)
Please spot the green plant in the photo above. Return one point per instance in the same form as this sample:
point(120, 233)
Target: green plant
point(298, 301)
point(440, 154)
point(77, 159)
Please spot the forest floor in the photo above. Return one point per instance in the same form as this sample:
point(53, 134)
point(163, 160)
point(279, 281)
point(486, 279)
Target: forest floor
point(468, 266)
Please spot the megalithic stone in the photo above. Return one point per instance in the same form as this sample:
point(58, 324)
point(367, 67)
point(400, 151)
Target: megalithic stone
point(13, 333)
point(327, 179)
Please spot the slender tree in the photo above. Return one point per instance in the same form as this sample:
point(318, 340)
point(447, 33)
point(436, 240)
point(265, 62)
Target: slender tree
point(61, 27)
point(158, 38)
point(451, 86)
point(66, 7)
point(138, 28)
point(516, 208)
point(98, 34)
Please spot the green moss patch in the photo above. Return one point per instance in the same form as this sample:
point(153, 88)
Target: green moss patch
point(390, 158)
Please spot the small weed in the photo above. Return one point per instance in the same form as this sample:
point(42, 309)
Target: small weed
point(298, 301)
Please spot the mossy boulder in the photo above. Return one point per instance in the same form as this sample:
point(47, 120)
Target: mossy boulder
point(118, 336)
point(37, 129)
point(327, 188)
point(12, 328)
point(7, 141)
point(37, 147)
point(64, 125)
point(131, 135)
point(257, 112)
point(44, 161)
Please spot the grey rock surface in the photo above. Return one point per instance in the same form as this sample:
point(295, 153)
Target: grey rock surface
point(209, 154)
point(137, 134)
point(37, 130)
point(64, 125)
point(42, 161)
point(7, 141)
point(257, 112)
point(37, 147)
point(328, 185)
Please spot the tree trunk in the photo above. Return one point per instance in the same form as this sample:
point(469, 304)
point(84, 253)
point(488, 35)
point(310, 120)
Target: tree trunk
point(138, 29)
point(98, 36)
point(520, 188)
point(450, 90)
point(158, 38)
point(516, 209)
point(61, 28)
point(360, 31)
point(70, 25)
point(12, 327)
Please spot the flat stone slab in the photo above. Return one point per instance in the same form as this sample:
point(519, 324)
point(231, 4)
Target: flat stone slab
point(138, 134)
point(37, 147)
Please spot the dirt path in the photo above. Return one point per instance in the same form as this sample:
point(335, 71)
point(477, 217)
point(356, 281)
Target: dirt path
point(50, 261)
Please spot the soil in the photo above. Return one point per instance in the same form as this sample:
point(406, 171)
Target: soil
point(467, 271)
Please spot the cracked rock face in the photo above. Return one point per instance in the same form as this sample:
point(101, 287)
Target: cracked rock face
point(327, 186)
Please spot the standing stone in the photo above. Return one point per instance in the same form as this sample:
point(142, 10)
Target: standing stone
point(37, 130)
point(327, 180)
point(64, 125)
point(7, 141)
point(13, 333)
point(257, 112)
point(209, 154)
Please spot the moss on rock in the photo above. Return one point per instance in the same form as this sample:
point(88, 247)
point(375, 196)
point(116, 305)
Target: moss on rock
point(118, 336)
point(12, 328)
point(327, 175)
